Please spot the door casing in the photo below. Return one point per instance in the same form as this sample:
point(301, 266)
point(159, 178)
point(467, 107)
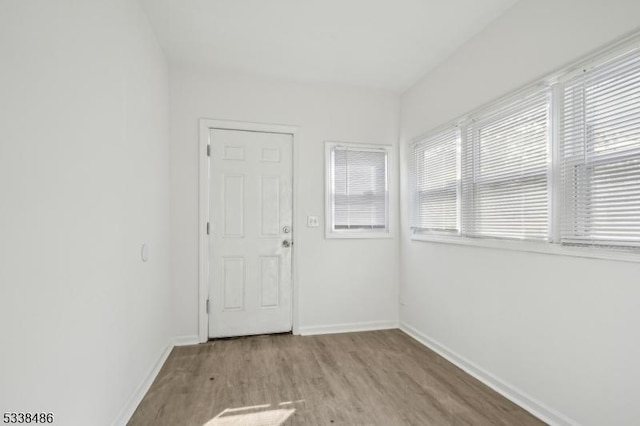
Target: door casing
point(206, 125)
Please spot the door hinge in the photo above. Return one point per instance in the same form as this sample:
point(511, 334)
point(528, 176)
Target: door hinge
point(207, 305)
point(208, 150)
point(208, 228)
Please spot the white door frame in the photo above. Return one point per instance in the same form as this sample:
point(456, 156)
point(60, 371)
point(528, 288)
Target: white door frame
point(206, 125)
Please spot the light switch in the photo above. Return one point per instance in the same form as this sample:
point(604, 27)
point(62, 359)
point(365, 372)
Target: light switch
point(313, 222)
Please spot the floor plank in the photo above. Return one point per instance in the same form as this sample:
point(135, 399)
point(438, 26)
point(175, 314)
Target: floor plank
point(369, 378)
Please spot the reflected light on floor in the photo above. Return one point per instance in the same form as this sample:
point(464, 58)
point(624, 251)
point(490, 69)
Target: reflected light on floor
point(257, 415)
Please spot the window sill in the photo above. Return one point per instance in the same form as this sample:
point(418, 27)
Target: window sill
point(357, 235)
point(532, 247)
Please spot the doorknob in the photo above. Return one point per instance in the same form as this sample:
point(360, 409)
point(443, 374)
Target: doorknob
point(286, 243)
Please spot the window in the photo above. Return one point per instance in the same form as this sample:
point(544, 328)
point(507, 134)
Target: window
point(601, 155)
point(436, 181)
point(357, 190)
point(505, 172)
point(489, 177)
point(558, 163)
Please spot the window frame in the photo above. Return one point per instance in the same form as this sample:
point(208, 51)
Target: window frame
point(330, 231)
point(454, 187)
point(477, 181)
point(554, 83)
point(595, 160)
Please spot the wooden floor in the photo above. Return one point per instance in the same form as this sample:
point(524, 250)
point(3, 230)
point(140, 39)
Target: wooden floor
point(370, 378)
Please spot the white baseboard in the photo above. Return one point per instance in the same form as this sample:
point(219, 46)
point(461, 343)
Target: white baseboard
point(130, 407)
point(347, 328)
point(185, 340)
point(535, 407)
point(134, 400)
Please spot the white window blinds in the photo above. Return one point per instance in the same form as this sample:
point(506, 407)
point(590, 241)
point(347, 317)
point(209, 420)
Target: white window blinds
point(359, 192)
point(505, 169)
point(436, 180)
point(600, 151)
point(561, 165)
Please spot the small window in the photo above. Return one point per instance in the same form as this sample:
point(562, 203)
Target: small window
point(357, 190)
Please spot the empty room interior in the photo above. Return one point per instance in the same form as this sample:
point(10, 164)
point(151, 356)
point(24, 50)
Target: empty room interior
point(357, 212)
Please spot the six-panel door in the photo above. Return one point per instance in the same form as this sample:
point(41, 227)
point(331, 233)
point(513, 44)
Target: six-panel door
point(251, 216)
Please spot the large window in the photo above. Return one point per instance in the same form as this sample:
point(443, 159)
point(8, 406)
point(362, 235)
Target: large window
point(557, 164)
point(601, 155)
point(505, 175)
point(357, 190)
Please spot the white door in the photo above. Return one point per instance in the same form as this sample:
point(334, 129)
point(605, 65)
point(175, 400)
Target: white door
point(250, 237)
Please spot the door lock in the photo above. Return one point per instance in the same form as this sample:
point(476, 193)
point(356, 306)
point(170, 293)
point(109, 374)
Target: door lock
point(286, 229)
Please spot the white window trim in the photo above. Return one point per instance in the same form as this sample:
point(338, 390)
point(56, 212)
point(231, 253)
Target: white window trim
point(551, 247)
point(331, 233)
point(542, 247)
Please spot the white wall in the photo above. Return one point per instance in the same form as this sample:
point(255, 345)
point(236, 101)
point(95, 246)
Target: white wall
point(340, 281)
point(559, 330)
point(84, 181)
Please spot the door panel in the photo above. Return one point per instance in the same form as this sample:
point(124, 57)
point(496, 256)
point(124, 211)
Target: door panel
point(233, 205)
point(269, 281)
point(250, 210)
point(233, 283)
point(269, 206)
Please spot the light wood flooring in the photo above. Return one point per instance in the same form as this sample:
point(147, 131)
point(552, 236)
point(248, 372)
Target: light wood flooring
point(370, 378)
